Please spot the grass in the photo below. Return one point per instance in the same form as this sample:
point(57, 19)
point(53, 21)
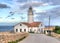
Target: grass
point(17, 40)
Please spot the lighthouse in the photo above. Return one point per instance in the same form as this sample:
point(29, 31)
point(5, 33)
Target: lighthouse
point(30, 15)
point(30, 26)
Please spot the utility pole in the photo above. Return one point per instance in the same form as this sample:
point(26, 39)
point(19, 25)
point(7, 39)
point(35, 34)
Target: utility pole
point(49, 21)
point(49, 31)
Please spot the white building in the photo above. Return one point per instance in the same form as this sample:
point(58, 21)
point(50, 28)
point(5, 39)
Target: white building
point(30, 26)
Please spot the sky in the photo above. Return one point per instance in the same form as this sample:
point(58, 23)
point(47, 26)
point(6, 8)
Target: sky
point(15, 11)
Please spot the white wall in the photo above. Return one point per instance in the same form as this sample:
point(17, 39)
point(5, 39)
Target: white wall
point(20, 27)
point(30, 18)
point(41, 28)
point(34, 29)
point(29, 29)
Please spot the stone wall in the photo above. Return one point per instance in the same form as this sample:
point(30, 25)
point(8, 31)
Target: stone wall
point(6, 37)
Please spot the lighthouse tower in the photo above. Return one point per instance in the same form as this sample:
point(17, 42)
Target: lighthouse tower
point(30, 15)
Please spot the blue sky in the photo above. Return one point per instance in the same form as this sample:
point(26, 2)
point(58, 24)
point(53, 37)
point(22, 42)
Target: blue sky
point(15, 11)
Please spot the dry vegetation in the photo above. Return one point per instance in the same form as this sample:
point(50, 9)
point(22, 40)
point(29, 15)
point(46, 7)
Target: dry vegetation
point(6, 37)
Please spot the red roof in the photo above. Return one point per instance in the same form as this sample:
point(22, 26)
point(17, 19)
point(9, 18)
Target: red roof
point(34, 24)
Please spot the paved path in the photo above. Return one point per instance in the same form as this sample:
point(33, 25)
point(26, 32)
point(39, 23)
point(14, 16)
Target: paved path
point(39, 38)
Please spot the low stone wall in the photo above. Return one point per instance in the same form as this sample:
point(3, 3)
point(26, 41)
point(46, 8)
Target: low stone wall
point(55, 35)
point(6, 37)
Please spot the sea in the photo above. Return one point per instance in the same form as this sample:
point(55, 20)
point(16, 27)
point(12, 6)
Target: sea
point(6, 28)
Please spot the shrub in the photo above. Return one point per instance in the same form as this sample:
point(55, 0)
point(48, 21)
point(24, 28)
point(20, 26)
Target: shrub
point(17, 40)
point(57, 29)
point(31, 32)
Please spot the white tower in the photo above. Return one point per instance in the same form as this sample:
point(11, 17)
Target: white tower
point(30, 15)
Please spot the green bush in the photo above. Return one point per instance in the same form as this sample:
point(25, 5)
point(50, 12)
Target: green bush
point(17, 40)
point(57, 29)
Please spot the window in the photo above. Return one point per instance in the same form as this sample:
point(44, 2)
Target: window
point(38, 29)
point(20, 24)
point(24, 30)
point(41, 25)
point(30, 30)
point(20, 30)
point(16, 30)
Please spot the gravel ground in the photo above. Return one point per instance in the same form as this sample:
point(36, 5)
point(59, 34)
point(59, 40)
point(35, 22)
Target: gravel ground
point(39, 38)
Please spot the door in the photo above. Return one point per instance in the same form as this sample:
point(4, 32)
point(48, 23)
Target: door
point(24, 30)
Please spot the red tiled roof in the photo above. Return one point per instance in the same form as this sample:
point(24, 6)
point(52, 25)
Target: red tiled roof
point(34, 24)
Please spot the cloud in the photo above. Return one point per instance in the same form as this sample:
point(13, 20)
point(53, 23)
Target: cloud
point(9, 20)
point(21, 1)
point(12, 18)
point(54, 13)
point(34, 4)
point(4, 6)
point(0, 17)
point(22, 17)
point(24, 4)
point(11, 14)
point(46, 4)
point(55, 2)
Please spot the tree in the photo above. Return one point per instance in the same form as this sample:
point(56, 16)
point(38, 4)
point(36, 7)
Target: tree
point(57, 29)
